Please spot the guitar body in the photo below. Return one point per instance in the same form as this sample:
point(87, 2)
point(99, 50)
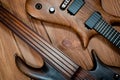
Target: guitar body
point(76, 22)
point(46, 72)
point(69, 43)
point(115, 11)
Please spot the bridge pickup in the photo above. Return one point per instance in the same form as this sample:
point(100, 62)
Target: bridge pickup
point(93, 20)
point(75, 6)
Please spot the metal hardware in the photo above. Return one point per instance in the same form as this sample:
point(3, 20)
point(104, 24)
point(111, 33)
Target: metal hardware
point(93, 20)
point(75, 6)
point(64, 4)
point(52, 10)
point(116, 76)
point(38, 6)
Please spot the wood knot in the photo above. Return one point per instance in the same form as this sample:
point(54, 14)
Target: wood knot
point(67, 43)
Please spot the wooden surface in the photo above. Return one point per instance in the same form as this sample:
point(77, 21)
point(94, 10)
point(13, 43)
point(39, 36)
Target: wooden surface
point(61, 37)
point(64, 18)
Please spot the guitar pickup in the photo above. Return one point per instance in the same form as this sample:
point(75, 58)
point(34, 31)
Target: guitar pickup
point(93, 20)
point(75, 6)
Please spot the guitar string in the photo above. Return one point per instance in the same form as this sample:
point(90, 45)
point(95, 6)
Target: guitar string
point(87, 77)
point(72, 63)
point(43, 54)
point(110, 33)
point(58, 57)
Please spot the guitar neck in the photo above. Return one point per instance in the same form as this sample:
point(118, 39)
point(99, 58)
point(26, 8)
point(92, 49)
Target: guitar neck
point(51, 55)
point(97, 23)
point(108, 32)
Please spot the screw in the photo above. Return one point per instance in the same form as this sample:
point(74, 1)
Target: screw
point(52, 10)
point(116, 76)
point(38, 6)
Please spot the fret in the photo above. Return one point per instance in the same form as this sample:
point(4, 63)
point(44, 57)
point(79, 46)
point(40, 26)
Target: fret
point(96, 22)
point(114, 37)
point(108, 32)
point(101, 26)
point(111, 34)
point(118, 44)
point(49, 53)
point(117, 39)
point(97, 25)
point(105, 30)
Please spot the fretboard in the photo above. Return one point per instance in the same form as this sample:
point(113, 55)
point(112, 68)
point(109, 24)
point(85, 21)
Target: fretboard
point(108, 32)
point(97, 23)
point(51, 55)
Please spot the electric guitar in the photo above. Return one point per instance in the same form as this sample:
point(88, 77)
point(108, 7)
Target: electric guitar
point(57, 66)
point(79, 15)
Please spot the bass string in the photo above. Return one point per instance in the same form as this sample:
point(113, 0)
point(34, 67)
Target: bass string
point(82, 74)
point(37, 48)
point(87, 77)
point(59, 67)
point(77, 78)
point(52, 52)
point(44, 43)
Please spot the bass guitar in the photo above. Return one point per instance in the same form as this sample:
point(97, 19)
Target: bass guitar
point(57, 66)
point(79, 15)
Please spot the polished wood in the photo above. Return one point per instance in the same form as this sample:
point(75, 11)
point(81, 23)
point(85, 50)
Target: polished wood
point(51, 55)
point(115, 11)
point(63, 18)
point(69, 43)
point(11, 44)
point(23, 48)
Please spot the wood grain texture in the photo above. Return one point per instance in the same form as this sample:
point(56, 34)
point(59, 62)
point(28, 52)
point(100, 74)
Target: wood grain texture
point(40, 45)
point(19, 11)
point(75, 22)
point(63, 38)
point(11, 44)
point(66, 40)
point(71, 44)
point(8, 48)
point(107, 52)
point(112, 8)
